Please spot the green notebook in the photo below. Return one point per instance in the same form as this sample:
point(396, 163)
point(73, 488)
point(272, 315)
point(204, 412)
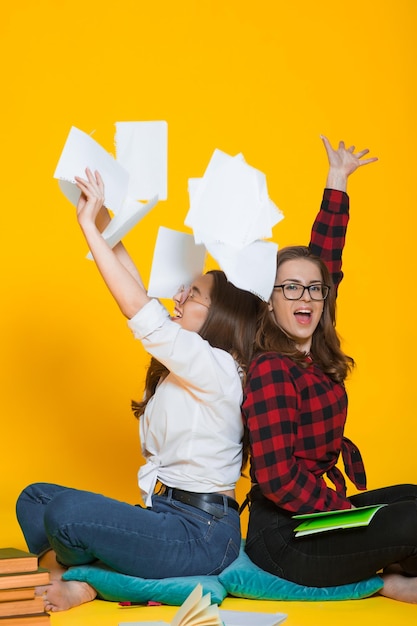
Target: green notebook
point(335, 520)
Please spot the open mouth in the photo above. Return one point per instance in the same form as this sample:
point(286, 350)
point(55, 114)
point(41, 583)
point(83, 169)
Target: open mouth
point(303, 315)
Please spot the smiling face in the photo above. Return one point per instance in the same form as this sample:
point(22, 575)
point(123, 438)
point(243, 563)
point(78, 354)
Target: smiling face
point(297, 318)
point(192, 304)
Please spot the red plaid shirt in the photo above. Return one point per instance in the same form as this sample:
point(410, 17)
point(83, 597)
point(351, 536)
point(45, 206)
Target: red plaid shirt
point(296, 416)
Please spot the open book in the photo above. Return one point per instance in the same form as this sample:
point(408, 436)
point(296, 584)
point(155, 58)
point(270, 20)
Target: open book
point(335, 520)
point(197, 610)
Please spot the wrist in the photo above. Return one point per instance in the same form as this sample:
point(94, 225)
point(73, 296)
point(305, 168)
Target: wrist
point(336, 180)
point(88, 227)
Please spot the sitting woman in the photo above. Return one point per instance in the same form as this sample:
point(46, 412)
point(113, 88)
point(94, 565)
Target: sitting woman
point(295, 411)
point(191, 433)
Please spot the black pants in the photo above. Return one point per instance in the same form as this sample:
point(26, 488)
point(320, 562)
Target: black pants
point(341, 556)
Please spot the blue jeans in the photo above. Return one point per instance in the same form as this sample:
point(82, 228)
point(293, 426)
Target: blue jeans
point(169, 539)
point(341, 556)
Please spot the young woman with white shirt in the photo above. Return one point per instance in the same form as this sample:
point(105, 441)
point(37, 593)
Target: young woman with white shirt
point(191, 434)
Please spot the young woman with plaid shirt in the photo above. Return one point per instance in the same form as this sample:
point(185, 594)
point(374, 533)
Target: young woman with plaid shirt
point(295, 410)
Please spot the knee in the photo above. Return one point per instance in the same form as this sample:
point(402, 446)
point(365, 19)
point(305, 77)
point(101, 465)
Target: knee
point(39, 493)
point(67, 507)
point(31, 490)
point(58, 512)
point(29, 495)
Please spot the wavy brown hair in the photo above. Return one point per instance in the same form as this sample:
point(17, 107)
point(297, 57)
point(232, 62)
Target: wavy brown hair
point(325, 345)
point(231, 325)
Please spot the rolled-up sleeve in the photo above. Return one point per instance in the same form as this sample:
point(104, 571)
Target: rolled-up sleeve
point(150, 317)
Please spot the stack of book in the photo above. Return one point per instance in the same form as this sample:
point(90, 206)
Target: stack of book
point(19, 575)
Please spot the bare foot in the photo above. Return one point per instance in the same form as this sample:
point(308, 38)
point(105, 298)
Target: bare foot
point(400, 587)
point(62, 595)
point(49, 562)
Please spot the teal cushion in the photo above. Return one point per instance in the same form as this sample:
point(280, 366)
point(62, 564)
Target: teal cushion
point(244, 579)
point(111, 585)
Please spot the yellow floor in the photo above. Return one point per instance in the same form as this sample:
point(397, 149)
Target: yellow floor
point(376, 611)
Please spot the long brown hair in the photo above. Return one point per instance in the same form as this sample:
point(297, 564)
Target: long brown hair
point(231, 325)
point(325, 345)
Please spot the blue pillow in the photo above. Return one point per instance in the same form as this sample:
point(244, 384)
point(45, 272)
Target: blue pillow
point(244, 579)
point(111, 585)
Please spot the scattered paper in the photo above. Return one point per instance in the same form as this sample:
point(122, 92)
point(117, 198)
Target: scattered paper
point(252, 268)
point(139, 172)
point(232, 215)
point(231, 203)
point(81, 151)
point(177, 261)
point(142, 148)
point(132, 212)
point(230, 211)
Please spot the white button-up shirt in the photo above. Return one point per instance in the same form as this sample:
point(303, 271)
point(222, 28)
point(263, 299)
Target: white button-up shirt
point(191, 431)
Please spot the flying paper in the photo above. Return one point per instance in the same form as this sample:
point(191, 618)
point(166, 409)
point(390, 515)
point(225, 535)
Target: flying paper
point(138, 173)
point(232, 215)
point(142, 147)
point(131, 213)
point(252, 268)
point(177, 261)
point(81, 151)
point(231, 203)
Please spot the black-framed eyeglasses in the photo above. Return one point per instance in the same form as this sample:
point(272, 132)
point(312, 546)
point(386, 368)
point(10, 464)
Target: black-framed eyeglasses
point(294, 291)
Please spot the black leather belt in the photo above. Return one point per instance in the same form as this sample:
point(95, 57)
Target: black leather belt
point(202, 501)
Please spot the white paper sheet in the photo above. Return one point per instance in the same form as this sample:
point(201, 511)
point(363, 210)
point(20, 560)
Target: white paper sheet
point(252, 268)
point(131, 213)
point(232, 215)
point(230, 203)
point(142, 148)
point(81, 151)
point(177, 261)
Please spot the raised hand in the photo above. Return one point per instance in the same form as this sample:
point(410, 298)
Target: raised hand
point(343, 162)
point(91, 199)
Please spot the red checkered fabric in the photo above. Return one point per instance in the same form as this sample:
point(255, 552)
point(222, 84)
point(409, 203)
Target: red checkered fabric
point(296, 416)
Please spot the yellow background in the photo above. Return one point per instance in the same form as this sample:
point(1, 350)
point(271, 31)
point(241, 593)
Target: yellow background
point(263, 78)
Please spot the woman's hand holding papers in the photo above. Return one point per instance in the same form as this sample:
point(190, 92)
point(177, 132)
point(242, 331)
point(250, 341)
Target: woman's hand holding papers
point(91, 198)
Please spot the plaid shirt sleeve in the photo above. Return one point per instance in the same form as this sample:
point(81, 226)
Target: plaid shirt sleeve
point(329, 231)
point(271, 411)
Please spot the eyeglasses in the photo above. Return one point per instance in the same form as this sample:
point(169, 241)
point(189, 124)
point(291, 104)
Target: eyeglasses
point(294, 291)
point(186, 293)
